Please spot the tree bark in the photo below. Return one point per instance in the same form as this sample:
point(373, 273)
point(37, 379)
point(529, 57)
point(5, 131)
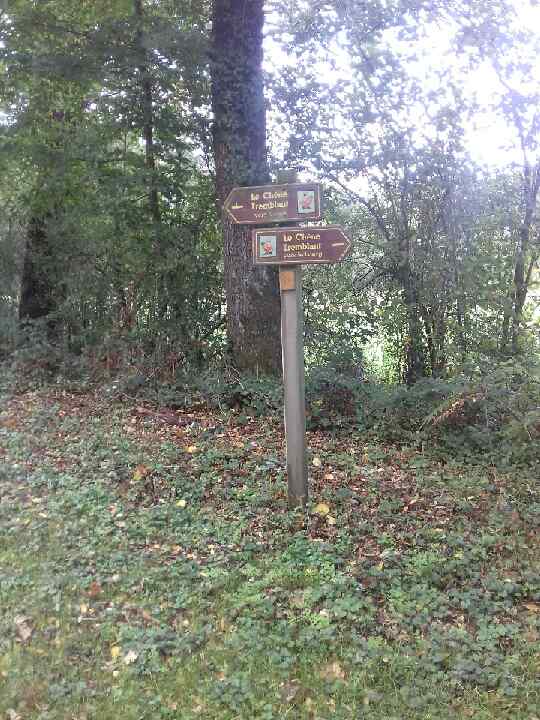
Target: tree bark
point(147, 106)
point(415, 365)
point(435, 333)
point(239, 139)
point(146, 85)
point(531, 182)
point(523, 265)
point(38, 297)
point(414, 351)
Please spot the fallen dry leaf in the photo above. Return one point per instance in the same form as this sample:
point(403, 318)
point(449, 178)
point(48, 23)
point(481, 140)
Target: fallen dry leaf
point(333, 671)
point(321, 509)
point(289, 691)
point(23, 628)
point(94, 590)
point(130, 657)
point(298, 599)
point(10, 423)
point(140, 472)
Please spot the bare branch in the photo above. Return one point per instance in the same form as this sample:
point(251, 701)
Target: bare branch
point(365, 203)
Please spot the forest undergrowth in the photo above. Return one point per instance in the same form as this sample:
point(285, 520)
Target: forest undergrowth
point(150, 568)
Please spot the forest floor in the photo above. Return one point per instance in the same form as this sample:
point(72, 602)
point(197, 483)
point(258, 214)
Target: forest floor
point(149, 568)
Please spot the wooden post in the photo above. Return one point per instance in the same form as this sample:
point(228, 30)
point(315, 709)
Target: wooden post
point(292, 348)
point(292, 343)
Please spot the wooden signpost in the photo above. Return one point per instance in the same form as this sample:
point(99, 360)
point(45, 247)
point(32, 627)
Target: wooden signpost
point(274, 203)
point(300, 246)
point(290, 248)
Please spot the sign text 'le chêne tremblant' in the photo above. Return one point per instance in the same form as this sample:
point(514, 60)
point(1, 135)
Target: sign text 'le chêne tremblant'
point(300, 246)
point(274, 203)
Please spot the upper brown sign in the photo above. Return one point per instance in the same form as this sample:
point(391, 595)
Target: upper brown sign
point(300, 246)
point(274, 203)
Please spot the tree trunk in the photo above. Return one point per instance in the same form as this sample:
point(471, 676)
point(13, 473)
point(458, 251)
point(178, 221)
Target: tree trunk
point(38, 298)
point(461, 325)
point(438, 366)
point(239, 138)
point(520, 288)
point(522, 276)
point(415, 365)
point(435, 333)
point(414, 351)
point(146, 85)
point(147, 106)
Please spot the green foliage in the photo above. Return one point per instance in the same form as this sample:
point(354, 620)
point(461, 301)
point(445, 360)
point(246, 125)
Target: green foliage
point(430, 284)
point(339, 322)
point(437, 238)
point(333, 398)
point(75, 124)
point(224, 389)
point(150, 566)
point(493, 412)
point(154, 567)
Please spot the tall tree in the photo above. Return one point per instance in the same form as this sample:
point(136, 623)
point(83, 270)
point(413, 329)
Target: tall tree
point(527, 248)
point(147, 106)
point(379, 130)
point(239, 137)
point(106, 105)
point(499, 34)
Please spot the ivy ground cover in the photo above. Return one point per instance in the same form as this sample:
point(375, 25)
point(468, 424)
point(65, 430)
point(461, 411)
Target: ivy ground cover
point(150, 568)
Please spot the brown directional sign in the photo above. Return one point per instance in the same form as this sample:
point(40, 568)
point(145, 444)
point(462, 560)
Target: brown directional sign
point(300, 246)
point(274, 203)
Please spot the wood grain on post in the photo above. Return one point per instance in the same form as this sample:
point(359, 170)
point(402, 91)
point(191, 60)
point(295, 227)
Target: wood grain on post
point(292, 342)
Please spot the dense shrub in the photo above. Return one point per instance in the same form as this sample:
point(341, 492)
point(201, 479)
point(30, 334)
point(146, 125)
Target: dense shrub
point(492, 411)
point(397, 411)
point(495, 411)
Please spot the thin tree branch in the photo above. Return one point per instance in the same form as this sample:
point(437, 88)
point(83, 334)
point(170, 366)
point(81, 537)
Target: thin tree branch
point(365, 203)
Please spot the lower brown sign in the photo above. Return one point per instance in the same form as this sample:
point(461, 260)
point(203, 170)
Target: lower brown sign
point(300, 246)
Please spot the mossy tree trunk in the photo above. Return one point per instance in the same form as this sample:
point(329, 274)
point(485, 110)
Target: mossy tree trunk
point(239, 138)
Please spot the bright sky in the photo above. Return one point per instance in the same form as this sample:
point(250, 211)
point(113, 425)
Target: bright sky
point(490, 139)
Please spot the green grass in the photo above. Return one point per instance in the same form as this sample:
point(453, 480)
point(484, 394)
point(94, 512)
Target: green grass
point(152, 570)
